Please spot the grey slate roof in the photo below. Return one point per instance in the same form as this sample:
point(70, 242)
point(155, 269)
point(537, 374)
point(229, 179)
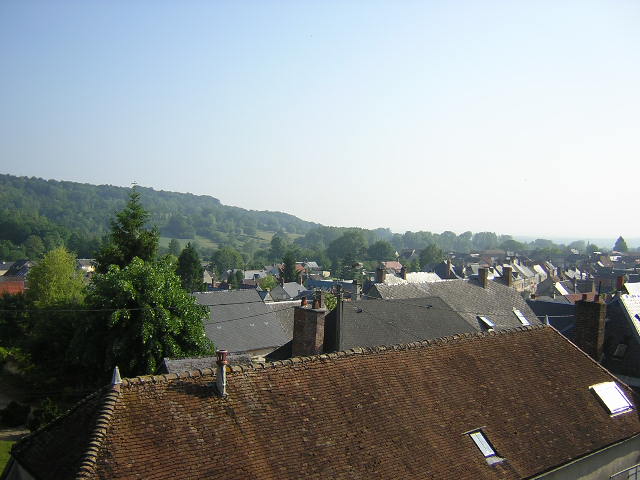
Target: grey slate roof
point(368, 323)
point(288, 291)
point(562, 313)
point(467, 298)
point(284, 313)
point(240, 321)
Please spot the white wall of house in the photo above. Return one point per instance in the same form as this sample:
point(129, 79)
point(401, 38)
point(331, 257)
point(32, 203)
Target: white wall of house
point(600, 465)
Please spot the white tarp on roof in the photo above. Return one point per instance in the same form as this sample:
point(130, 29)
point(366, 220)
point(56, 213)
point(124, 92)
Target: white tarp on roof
point(633, 288)
point(413, 277)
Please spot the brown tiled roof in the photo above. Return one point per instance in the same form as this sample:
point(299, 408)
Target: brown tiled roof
point(383, 412)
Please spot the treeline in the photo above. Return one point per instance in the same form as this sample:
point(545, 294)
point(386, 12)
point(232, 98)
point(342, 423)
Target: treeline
point(37, 215)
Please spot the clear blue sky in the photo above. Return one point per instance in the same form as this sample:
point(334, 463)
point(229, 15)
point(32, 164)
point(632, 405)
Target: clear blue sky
point(514, 117)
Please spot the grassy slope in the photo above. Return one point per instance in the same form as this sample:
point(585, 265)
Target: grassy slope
point(5, 446)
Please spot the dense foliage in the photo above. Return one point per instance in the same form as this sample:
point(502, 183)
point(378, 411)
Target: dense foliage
point(145, 315)
point(189, 269)
point(37, 215)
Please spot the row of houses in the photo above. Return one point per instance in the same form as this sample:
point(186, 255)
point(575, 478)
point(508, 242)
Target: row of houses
point(442, 378)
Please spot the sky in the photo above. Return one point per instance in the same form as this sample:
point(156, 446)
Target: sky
point(521, 118)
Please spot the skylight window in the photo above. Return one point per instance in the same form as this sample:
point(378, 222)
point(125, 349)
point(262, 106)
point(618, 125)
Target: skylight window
point(620, 351)
point(612, 396)
point(483, 444)
point(485, 447)
point(521, 317)
point(486, 323)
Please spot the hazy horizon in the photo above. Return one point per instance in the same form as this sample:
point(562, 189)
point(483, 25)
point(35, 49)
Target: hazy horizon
point(515, 118)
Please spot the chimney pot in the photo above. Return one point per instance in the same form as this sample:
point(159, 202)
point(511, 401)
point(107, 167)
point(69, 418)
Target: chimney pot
point(116, 379)
point(303, 302)
point(221, 372)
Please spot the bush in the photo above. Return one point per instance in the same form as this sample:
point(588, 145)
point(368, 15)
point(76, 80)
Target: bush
point(46, 412)
point(14, 415)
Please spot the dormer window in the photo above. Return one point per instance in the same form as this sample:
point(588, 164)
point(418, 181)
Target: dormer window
point(612, 397)
point(486, 323)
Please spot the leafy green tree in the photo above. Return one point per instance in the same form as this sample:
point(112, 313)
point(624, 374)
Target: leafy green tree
point(14, 320)
point(592, 247)
point(268, 282)
point(56, 280)
point(350, 244)
point(190, 269)
point(512, 245)
point(578, 245)
point(236, 279)
point(431, 255)
point(34, 246)
point(128, 238)
point(174, 247)
point(145, 316)
point(278, 247)
point(620, 245)
point(289, 269)
point(227, 258)
point(381, 250)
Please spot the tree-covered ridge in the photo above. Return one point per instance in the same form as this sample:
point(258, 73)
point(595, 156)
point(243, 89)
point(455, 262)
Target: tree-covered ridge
point(47, 213)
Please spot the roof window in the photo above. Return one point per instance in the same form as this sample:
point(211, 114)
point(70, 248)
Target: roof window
point(521, 317)
point(620, 350)
point(486, 323)
point(612, 396)
point(485, 447)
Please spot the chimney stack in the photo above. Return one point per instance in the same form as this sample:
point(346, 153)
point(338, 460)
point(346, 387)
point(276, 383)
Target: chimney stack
point(620, 283)
point(403, 273)
point(448, 267)
point(483, 276)
point(381, 273)
point(221, 372)
point(590, 319)
point(308, 331)
point(507, 274)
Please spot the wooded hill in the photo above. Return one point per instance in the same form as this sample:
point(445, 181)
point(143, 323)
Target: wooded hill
point(37, 215)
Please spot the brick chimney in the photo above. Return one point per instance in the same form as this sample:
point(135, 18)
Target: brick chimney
point(507, 275)
point(590, 318)
point(483, 276)
point(308, 331)
point(403, 273)
point(448, 267)
point(381, 273)
point(221, 372)
point(619, 283)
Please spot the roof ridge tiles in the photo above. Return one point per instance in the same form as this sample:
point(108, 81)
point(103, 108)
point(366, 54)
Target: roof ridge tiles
point(88, 461)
